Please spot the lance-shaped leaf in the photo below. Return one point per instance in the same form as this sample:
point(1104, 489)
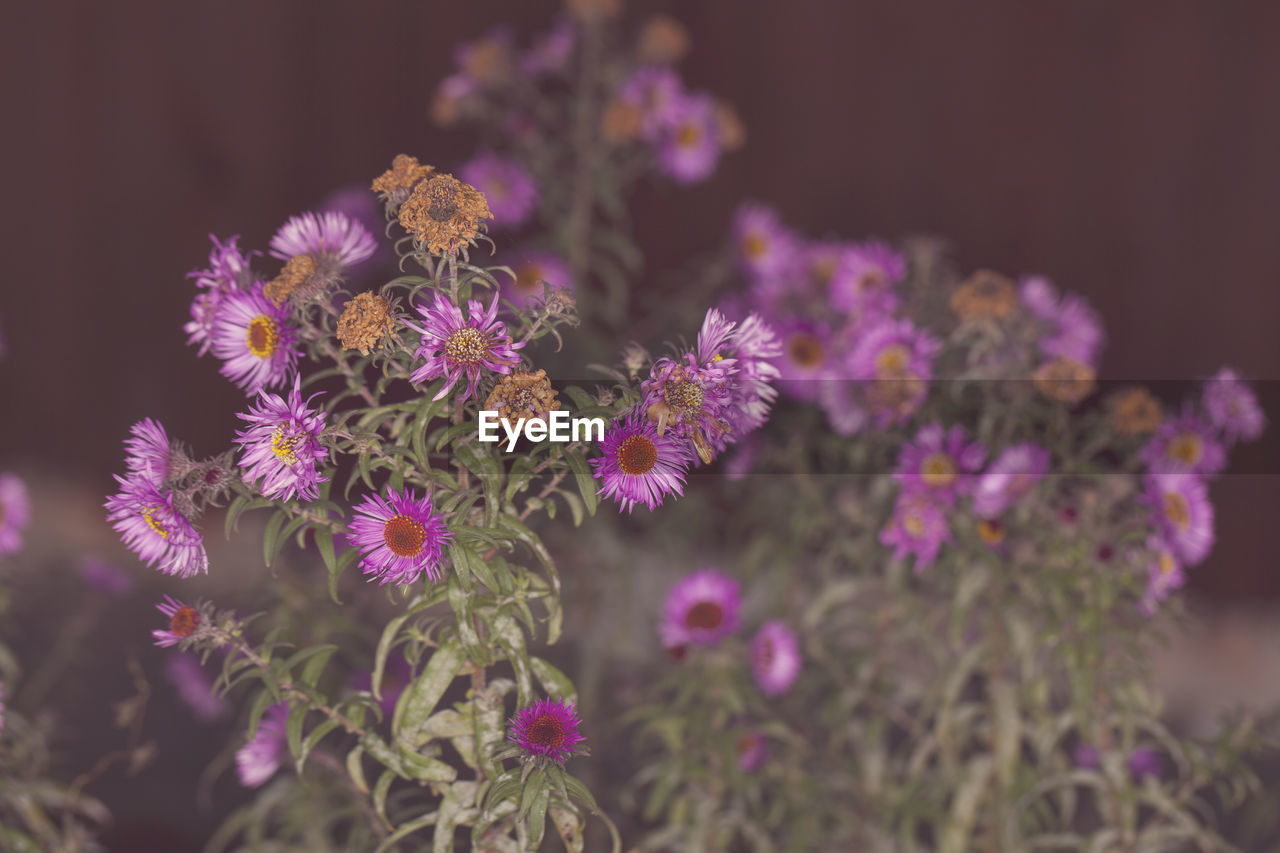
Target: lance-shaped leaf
point(419, 699)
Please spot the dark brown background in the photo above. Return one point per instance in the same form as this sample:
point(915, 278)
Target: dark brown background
point(1128, 150)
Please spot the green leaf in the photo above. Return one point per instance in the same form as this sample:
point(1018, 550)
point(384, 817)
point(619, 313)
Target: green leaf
point(466, 559)
point(380, 790)
point(256, 710)
point(420, 603)
point(405, 830)
point(419, 699)
point(510, 638)
point(553, 681)
point(586, 483)
point(270, 535)
point(355, 769)
point(313, 738)
point(324, 544)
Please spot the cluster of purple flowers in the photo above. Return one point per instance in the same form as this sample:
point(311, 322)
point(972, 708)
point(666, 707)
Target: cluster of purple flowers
point(679, 126)
point(15, 513)
point(693, 407)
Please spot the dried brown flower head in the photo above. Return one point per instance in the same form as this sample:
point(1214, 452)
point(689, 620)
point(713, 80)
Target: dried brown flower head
point(985, 294)
point(522, 394)
point(729, 126)
point(487, 61)
point(295, 274)
point(1134, 411)
point(396, 183)
point(594, 10)
point(1065, 380)
point(365, 321)
point(444, 213)
point(663, 40)
point(621, 121)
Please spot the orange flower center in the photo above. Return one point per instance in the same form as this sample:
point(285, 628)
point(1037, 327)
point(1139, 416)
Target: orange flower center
point(637, 455)
point(684, 396)
point(546, 731)
point(991, 532)
point(262, 336)
point(528, 277)
point(1185, 448)
point(805, 349)
point(284, 447)
point(1167, 565)
point(892, 360)
point(1176, 510)
point(404, 536)
point(184, 622)
point(754, 246)
point(938, 471)
point(913, 523)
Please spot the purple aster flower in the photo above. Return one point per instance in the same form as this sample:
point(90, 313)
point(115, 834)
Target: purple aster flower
point(228, 270)
point(399, 537)
point(764, 246)
point(775, 657)
point(1185, 444)
point(184, 621)
point(546, 730)
point(358, 203)
point(252, 337)
point(1164, 574)
point(1009, 477)
point(507, 186)
point(194, 686)
point(1071, 329)
point(752, 345)
point(532, 268)
point(1143, 762)
point(918, 528)
point(1233, 407)
point(690, 398)
point(550, 51)
point(938, 463)
point(453, 345)
point(656, 91)
point(895, 359)
point(689, 148)
point(864, 285)
point(333, 239)
point(281, 446)
point(485, 60)
point(702, 609)
point(105, 577)
point(15, 513)
point(150, 526)
point(751, 751)
point(1182, 513)
point(148, 451)
point(638, 465)
point(1086, 756)
point(808, 356)
point(259, 759)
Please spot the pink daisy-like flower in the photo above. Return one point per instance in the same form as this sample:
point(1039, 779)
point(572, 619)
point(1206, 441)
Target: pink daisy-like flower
point(656, 91)
point(546, 730)
point(1014, 472)
point(281, 446)
point(1164, 574)
point(808, 356)
point(702, 609)
point(333, 239)
point(184, 622)
point(194, 687)
point(453, 345)
point(533, 267)
point(551, 50)
point(894, 360)
point(775, 657)
point(689, 148)
point(507, 186)
point(259, 759)
point(1233, 407)
point(228, 270)
point(917, 528)
point(105, 577)
point(839, 399)
point(764, 246)
point(399, 537)
point(939, 463)
point(15, 513)
point(152, 528)
point(252, 336)
point(864, 286)
point(747, 351)
point(1182, 513)
point(638, 465)
point(1185, 444)
point(1071, 329)
point(148, 451)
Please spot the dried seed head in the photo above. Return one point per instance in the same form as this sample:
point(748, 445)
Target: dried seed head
point(663, 41)
point(985, 294)
point(522, 394)
point(621, 121)
point(1134, 411)
point(365, 322)
point(443, 213)
point(296, 273)
point(396, 183)
point(1065, 380)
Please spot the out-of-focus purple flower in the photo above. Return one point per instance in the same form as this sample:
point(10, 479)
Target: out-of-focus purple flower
point(551, 50)
point(808, 356)
point(453, 345)
point(689, 148)
point(333, 239)
point(1185, 444)
point(252, 336)
point(1143, 762)
point(148, 451)
point(1009, 477)
point(1070, 328)
point(194, 687)
point(1233, 407)
point(281, 446)
point(486, 60)
point(15, 513)
point(638, 465)
point(259, 759)
point(547, 729)
point(152, 528)
point(939, 463)
point(751, 751)
point(864, 286)
point(1182, 512)
point(701, 609)
point(1164, 574)
point(507, 186)
point(184, 621)
point(764, 246)
point(398, 537)
point(917, 528)
point(105, 577)
point(841, 399)
point(775, 657)
point(656, 91)
point(894, 360)
point(532, 267)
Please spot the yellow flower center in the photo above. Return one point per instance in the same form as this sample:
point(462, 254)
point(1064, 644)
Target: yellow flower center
point(1186, 448)
point(805, 349)
point(684, 396)
point(914, 525)
point(754, 246)
point(688, 135)
point(991, 532)
point(1176, 510)
point(404, 536)
point(892, 360)
point(637, 455)
point(467, 346)
point(149, 515)
point(285, 447)
point(1167, 565)
point(262, 336)
point(938, 471)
